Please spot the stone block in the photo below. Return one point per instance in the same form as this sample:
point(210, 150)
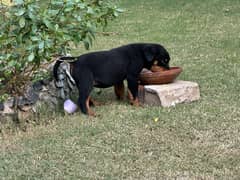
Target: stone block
point(167, 95)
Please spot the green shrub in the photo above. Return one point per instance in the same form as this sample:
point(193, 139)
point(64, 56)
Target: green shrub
point(33, 31)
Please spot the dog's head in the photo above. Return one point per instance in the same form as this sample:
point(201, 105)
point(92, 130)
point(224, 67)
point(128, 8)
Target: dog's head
point(156, 53)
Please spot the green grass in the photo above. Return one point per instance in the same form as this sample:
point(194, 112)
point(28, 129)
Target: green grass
point(199, 140)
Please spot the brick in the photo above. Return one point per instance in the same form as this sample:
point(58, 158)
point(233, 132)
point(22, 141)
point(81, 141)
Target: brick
point(167, 95)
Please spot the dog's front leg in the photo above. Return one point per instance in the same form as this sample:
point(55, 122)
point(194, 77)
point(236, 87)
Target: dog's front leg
point(133, 90)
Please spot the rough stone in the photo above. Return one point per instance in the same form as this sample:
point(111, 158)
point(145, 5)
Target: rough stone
point(9, 103)
point(7, 108)
point(1, 106)
point(167, 95)
point(37, 86)
point(37, 95)
point(42, 93)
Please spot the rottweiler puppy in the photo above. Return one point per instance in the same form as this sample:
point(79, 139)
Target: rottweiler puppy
point(103, 69)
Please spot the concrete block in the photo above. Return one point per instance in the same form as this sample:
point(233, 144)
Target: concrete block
point(167, 95)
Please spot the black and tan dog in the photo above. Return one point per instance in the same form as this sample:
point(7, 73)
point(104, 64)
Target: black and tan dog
point(110, 68)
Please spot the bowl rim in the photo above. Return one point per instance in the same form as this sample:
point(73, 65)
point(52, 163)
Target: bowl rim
point(161, 77)
point(171, 71)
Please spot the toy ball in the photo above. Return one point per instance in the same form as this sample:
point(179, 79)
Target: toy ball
point(69, 106)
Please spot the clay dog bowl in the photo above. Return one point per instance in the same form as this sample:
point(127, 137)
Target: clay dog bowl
point(159, 75)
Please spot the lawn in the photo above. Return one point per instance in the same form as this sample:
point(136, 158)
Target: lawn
point(199, 140)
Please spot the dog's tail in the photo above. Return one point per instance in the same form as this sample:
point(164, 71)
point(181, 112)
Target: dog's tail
point(58, 62)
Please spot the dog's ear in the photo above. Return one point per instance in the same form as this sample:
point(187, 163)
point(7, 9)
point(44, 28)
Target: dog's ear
point(149, 52)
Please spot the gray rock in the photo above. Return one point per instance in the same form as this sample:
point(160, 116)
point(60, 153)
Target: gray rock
point(9, 103)
point(1, 106)
point(37, 86)
point(43, 93)
point(8, 108)
point(45, 81)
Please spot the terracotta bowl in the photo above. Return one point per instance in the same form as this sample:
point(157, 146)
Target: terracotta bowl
point(156, 68)
point(159, 76)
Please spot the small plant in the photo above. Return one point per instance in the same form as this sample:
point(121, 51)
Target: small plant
point(33, 31)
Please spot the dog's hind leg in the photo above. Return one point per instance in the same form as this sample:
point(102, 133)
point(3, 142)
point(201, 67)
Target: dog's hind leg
point(93, 102)
point(84, 104)
point(89, 111)
point(85, 85)
point(119, 90)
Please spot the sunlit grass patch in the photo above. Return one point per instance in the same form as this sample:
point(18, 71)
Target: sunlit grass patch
point(6, 2)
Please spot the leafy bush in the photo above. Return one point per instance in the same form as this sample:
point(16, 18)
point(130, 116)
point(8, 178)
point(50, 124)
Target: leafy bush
point(33, 31)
